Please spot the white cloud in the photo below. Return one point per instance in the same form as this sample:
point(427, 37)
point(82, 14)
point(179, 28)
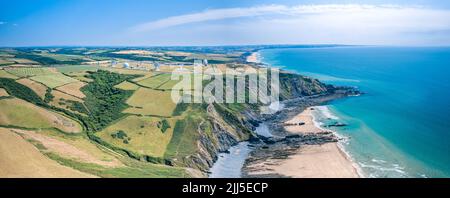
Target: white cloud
point(329, 23)
point(208, 15)
point(2, 22)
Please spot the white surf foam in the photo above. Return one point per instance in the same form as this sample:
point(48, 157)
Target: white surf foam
point(325, 111)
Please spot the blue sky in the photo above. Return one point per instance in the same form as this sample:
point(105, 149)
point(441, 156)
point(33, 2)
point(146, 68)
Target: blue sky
point(223, 22)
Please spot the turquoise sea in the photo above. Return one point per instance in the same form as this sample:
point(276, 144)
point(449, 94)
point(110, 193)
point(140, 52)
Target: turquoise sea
point(400, 127)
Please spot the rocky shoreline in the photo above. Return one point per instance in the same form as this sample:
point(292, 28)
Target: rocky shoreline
point(285, 144)
point(298, 93)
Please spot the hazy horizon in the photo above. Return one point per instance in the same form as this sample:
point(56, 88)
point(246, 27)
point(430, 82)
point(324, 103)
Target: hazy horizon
point(26, 23)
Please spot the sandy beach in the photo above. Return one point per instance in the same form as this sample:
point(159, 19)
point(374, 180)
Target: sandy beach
point(326, 160)
point(253, 58)
point(310, 161)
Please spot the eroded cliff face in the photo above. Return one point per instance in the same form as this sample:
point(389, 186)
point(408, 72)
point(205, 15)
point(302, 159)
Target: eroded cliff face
point(295, 86)
point(226, 126)
point(222, 135)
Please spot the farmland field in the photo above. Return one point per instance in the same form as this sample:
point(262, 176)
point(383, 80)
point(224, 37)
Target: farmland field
point(151, 102)
point(83, 79)
point(76, 68)
point(183, 142)
point(127, 86)
point(169, 84)
point(65, 97)
point(143, 77)
point(20, 158)
point(155, 81)
point(81, 76)
point(38, 88)
point(63, 57)
point(4, 62)
point(4, 74)
point(24, 61)
point(30, 71)
point(145, 135)
point(126, 71)
point(63, 100)
point(73, 89)
point(19, 113)
point(53, 80)
point(76, 147)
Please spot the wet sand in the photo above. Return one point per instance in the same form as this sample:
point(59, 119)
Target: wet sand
point(327, 160)
point(309, 161)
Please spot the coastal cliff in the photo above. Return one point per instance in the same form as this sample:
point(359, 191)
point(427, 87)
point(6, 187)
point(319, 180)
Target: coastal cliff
point(228, 124)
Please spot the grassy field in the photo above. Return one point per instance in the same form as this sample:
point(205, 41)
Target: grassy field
point(76, 68)
point(143, 77)
point(134, 169)
point(20, 158)
point(19, 113)
point(4, 62)
point(145, 137)
point(127, 86)
point(126, 71)
point(53, 80)
point(168, 85)
point(4, 74)
point(38, 88)
point(81, 76)
point(24, 61)
point(184, 139)
point(30, 71)
point(155, 81)
point(77, 148)
point(73, 89)
point(63, 57)
point(65, 101)
point(151, 102)
point(13, 61)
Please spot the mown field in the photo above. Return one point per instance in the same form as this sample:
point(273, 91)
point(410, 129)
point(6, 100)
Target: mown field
point(148, 75)
point(30, 71)
point(6, 62)
point(127, 86)
point(151, 102)
point(38, 88)
point(53, 80)
point(81, 76)
point(73, 89)
point(155, 81)
point(76, 68)
point(4, 74)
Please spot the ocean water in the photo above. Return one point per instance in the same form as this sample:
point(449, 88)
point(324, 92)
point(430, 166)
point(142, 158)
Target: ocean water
point(401, 126)
point(229, 165)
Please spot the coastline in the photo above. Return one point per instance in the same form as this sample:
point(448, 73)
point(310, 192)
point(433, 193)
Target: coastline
point(338, 151)
point(311, 160)
point(288, 150)
point(254, 57)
